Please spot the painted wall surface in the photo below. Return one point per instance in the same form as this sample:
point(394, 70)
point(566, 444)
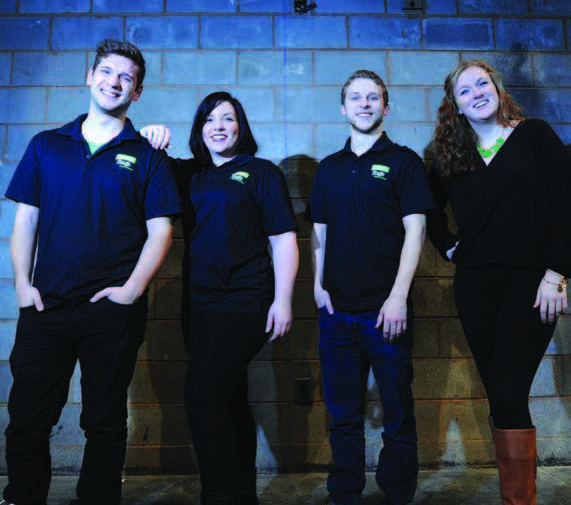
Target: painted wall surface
point(287, 69)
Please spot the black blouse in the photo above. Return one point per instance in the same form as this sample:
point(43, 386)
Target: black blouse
point(513, 212)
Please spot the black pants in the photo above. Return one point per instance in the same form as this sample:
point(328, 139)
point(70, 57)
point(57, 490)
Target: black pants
point(105, 338)
point(220, 347)
point(505, 334)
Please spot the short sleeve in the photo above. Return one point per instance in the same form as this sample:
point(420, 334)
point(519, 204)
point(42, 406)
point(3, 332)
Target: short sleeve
point(162, 196)
point(413, 189)
point(25, 184)
point(277, 211)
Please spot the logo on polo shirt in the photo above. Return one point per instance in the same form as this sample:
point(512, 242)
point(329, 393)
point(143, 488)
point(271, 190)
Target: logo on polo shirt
point(380, 171)
point(240, 176)
point(125, 161)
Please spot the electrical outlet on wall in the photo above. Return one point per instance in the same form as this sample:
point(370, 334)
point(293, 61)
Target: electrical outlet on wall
point(303, 390)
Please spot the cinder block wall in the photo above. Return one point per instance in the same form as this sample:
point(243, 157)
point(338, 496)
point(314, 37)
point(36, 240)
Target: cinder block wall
point(288, 69)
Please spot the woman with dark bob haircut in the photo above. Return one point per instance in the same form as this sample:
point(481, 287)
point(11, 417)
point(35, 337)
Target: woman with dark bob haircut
point(235, 291)
point(508, 181)
point(245, 143)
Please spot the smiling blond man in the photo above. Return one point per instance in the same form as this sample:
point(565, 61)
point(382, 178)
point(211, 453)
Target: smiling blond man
point(367, 207)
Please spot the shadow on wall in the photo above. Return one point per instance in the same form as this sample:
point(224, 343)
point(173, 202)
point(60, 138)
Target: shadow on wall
point(292, 434)
point(516, 68)
point(290, 415)
point(464, 436)
point(159, 438)
point(299, 170)
point(457, 438)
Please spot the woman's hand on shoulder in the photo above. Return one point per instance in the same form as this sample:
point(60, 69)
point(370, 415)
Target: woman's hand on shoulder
point(551, 297)
point(159, 136)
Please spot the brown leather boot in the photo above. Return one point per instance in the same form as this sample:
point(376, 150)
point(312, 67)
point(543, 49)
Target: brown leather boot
point(516, 455)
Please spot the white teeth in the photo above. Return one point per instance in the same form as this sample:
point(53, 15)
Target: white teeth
point(481, 104)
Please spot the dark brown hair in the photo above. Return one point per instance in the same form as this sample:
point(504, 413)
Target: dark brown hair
point(245, 143)
point(126, 49)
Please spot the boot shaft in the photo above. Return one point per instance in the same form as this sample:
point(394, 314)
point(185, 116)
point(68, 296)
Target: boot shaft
point(516, 455)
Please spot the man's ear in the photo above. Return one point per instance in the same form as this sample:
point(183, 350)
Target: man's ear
point(387, 110)
point(138, 93)
point(343, 111)
point(89, 76)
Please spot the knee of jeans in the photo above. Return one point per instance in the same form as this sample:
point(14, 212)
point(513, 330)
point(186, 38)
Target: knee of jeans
point(401, 428)
point(346, 419)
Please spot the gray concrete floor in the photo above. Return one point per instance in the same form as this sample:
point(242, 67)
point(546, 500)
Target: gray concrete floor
point(438, 487)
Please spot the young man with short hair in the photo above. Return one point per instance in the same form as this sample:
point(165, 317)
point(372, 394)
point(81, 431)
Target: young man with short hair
point(93, 224)
point(367, 207)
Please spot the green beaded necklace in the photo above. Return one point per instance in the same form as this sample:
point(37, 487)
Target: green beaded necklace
point(486, 153)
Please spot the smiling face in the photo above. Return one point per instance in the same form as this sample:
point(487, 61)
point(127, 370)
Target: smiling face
point(364, 106)
point(220, 133)
point(476, 95)
point(113, 85)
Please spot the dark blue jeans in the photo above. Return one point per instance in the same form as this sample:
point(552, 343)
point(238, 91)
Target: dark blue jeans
point(348, 344)
point(104, 337)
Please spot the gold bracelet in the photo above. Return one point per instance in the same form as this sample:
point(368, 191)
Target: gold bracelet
point(561, 285)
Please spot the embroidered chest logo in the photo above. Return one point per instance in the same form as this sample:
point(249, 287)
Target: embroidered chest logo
point(240, 176)
point(125, 161)
point(380, 172)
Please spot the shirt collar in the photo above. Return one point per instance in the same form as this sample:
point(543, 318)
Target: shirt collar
point(238, 160)
point(73, 130)
point(380, 145)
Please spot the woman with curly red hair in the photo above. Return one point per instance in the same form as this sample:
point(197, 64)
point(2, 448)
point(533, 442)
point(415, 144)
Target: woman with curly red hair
point(508, 181)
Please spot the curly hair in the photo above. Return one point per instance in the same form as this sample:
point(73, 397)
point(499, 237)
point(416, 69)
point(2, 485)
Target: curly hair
point(454, 138)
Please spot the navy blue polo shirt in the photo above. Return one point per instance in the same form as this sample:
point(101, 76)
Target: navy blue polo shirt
point(237, 206)
point(93, 208)
point(363, 200)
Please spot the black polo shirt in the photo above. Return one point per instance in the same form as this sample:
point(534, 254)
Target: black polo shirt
point(237, 206)
point(363, 200)
point(93, 208)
